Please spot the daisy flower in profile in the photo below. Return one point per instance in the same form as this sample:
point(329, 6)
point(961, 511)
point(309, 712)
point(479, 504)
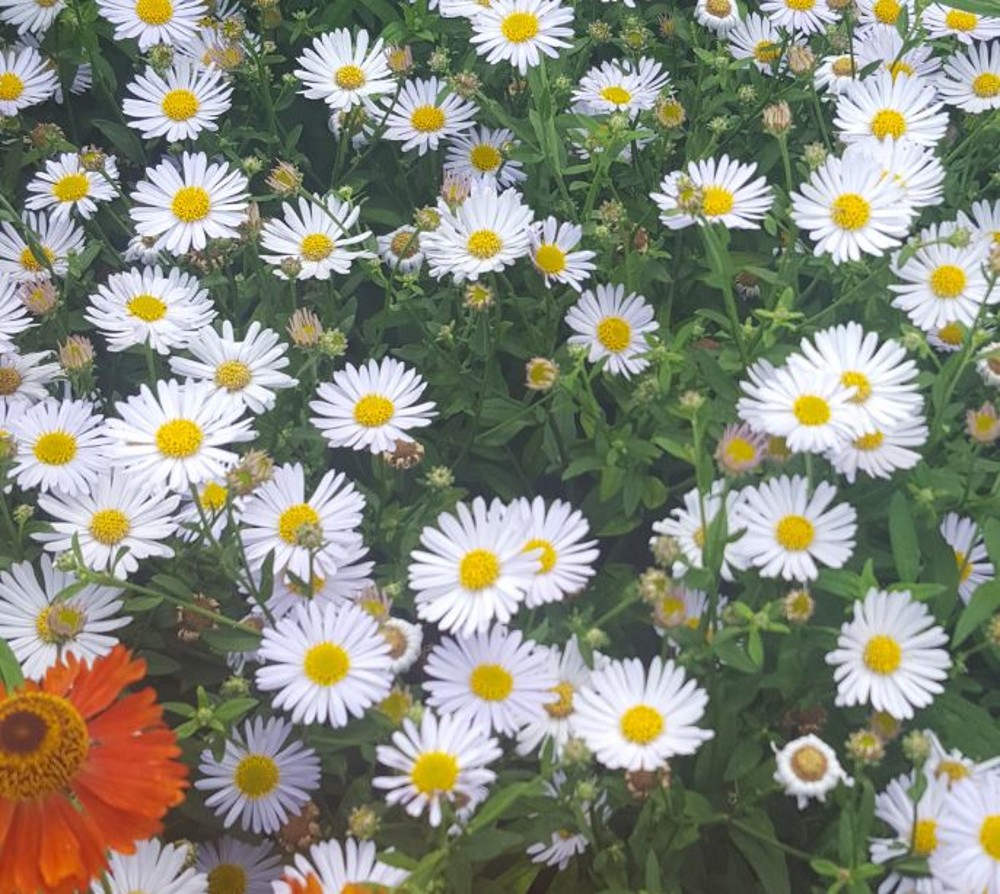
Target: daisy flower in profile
point(711, 191)
point(951, 766)
point(30, 16)
point(757, 39)
point(740, 449)
point(971, 80)
point(808, 768)
point(882, 106)
point(147, 306)
point(246, 372)
point(153, 866)
point(231, 865)
point(882, 451)
point(42, 627)
point(891, 656)
point(26, 79)
point(613, 327)
point(485, 234)
point(851, 209)
point(173, 22)
point(636, 719)
point(371, 407)
point(24, 377)
point(346, 868)
point(471, 568)
point(522, 31)
point(483, 154)
point(400, 250)
point(176, 436)
point(423, 114)
point(915, 169)
point(965, 539)
point(344, 72)
point(184, 205)
point(65, 185)
point(179, 104)
point(788, 531)
point(688, 525)
point(799, 16)
point(264, 777)
point(621, 86)
point(496, 678)
point(940, 284)
point(405, 642)
point(551, 252)
point(719, 16)
point(56, 238)
point(62, 445)
point(444, 760)
point(118, 512)
point(14, 316)
point(940, 20)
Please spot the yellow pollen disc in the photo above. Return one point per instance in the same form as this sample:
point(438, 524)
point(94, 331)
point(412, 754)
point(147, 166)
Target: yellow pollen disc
point(811, 410)
point(59, 623)
point(43, 743)
point(959, 20)
point(191, 204)
point(850, 211)
point(719, 8)
point(180, 104)
point(71, 187)
point(766, 52)
point(256, 775)
point(887, 11)
point(883, 654)
point(109, 526)
point(550, 258)
point(485, 158)
point(925, 837)
point(800, 5)
point(326, 664)
point(795, 533)
point(698, 536)
point(716, 201)
point(641, 724)
point(843, 67)
point(548, 554)
point(427, 119)
point(491, 682)
point(984, 422)
point(154, 12)
point(484, 244)
point(964, 566)
point(349, 77)
point(30, 263)
point(227, 878)
point(55, 448)
point(948, 281)
point(147, 308)
point(614, 334)
point(433, 772)
point(951, 333)
point(213, 497)
point(405, 244)
point(316, 247)
point(519, 27)
point(954, 770)
point(986, 85)
point(293, 518)
point(619, 96)
point(563, 705)
point(672, 608)
point(989, 835)
point(179, 438)
point(900, 68)
point(10, 380)
point(740, 450)
point(373, 410)
point(478, 569)
point(859, 381)
point(809, 763)
point(888, 123)
point(11, 86)
point(233, 375)
point(869, 442)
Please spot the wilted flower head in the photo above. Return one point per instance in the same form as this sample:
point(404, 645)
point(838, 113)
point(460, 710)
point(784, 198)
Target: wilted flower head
point(801, 60)
point(455, 188)
point(540, 374)
point(399, 59)
point(798, 605)
point(404, 455)
point(285, 179)
point(740, 449)
point(304, 328)
point(478, 296)
point(39, 296)
point(254, 469)
point(777, 118)
point(983, 425)
point(76, 353)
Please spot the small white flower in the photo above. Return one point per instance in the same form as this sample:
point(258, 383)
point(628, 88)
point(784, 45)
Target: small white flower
point(179, 104)
point(352, 866)
point(613, 327)
point(65, 186)
point(422, 115)
point(971, 558)
point(153, 866)
point(522, 31)
point(173, 22)
point(808, 768)
point(552, 253)
point(344, 72)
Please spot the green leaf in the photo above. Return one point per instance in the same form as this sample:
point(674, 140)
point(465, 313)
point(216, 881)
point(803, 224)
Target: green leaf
point(502, 801)
point(123, 139)
point(766, 860)
point(984, 602)
point(982, 7)
point(903, 536)
point(229, 639)
point(10, 667)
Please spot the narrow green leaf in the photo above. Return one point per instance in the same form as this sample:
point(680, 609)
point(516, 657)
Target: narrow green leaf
point(10, 667)
point(903, 537)
point(984, 602)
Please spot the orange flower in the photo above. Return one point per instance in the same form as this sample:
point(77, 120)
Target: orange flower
point(81, 771)
point(310, 885)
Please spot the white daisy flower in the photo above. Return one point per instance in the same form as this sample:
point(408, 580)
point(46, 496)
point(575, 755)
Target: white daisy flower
point(148, 306)
point(41, 626)
point(722, 190)
point(405, 642)
point(613, 327)
point(971, 80)
point(789, 532)
point(801, 17)
point(153, 866)
point(445, 759)
point(423, 114)
point(177, 435)
point(988, 364)
point(942, 284)
point(974, 567)
point(57, 239)
point(984, 222)
point(496, 678)
point(30, 16)
point(835, 74)
point(14, 316)
point(485, 234)
point(118, 513)
point(851, 209)
point(26, 79)
point(757, 39)
point(967, 856)
point(179, 104)
point(246, 372)
point(24, 377)
point(681, 607)
point(891, 656)
point(564, 844)
point(65, 185)
point(885, 47)
point(951, 766)
point(522, 31)
point(636, 719)
point(883, 106)
point(344, 72)
point(346, 868)
point(400, 250)
point(185, 205)
point(719, 16)
point(472, 569)
point(325, 664)
point(232, 866)
point(371, 407)
point(551, 252)
point(263, 778)
point(483, 154)
point(808, 768)
point(620, 85)
point(317, 237)
point(62, 445)
point(917, 171)
point(940, 20)
point(883, 14)
point(173, 22)
point(882, 451)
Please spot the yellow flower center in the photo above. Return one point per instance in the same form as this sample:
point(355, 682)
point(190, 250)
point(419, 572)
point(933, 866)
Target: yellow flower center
point(71, 187)
point(109, 526)
point(888, 123)
point(951, 333)
point(433, 772)
point(427, 119)
point(491, 682)
point(698, 536)
point(227, 878)
point(154, 12)
point(316, 247)
point(213, 497)
point(716, 201)
point(795, 533)
point(11, 86)
point(405, 244)
point(179, 438)
point(719, 8)
point(147, 308)
point(887, 11)
point(10, 380)
point(550, 258)
point(740, 450)
point(925, 837)
point(30, 263)
point(614, 334)
point(256, 775)
point(959, 20)
point(563, 705)
point(883, 654)
point(850, 211)
point(548, 554)
point(672, 609)
point(809, 763)
point(954, 770)
point(485, 158)
point(843, 67)
point(326, 664)
point(293, 518)
point(349, 77)
point(869, 442)
point(964, 566)
point(478, 569)
point(989, 835)
point(180, 104)
point(43, 743)
point(641, 724)
point(800, 5)
point(233, 375)
point(859, 381)
point(948, 281)
point(809, 409)
point(766, 52)
point(55, 448)
point(484, 244)
point(619, 96)
point(986, 85)
point(519, 27)
point(373, 410)
point(898, 68)
point(190, 204)
point(59, 623)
